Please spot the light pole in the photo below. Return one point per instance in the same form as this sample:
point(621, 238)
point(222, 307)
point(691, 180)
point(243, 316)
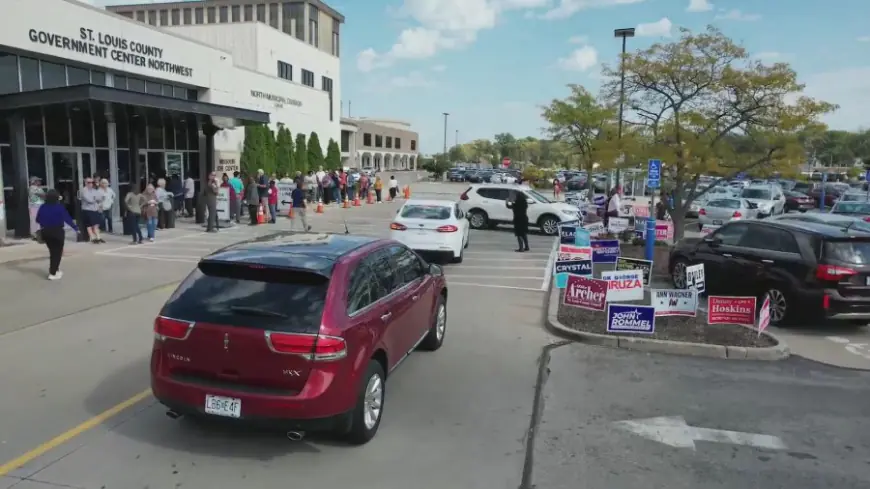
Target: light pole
point(624, 34)
point(456, 143)
point(445, 134)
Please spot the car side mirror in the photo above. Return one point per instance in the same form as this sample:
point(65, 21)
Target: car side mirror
point(712, 241)
point(434, 269)
point(530, 201)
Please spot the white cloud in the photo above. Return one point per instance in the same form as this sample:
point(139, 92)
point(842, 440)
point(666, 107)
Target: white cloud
point(848, 88)
point(578, 39)
point(567, 8)
point(661, 28)
point(864, 39)
point(738, 16)
point(439, 68)
point(699, 6)
point(580, 59)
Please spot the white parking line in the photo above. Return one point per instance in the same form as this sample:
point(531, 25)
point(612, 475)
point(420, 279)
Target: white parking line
point(505, 277)
point(491, 286)
point(551, 262)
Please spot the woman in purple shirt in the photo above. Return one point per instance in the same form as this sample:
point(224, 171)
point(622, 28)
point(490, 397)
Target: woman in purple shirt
point(51, 217)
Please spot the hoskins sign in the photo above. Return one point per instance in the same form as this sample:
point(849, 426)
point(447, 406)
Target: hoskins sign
point(108, 46)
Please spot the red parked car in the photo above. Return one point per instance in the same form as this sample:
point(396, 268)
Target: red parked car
point(796, 201)
point(298, 331)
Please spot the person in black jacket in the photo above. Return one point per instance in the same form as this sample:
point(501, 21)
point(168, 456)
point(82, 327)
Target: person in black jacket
point(520, 206)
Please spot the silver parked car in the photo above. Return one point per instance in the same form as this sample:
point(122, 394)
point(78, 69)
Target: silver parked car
point(722, 211)
point(852, 196)
point(768, 198)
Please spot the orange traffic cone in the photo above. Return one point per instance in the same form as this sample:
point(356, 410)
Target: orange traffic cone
point(370, 198)
point(407, 192)
point(346, 204)
point(356, 202)
point(290, 213)
point(319, 209)
point(261, 215)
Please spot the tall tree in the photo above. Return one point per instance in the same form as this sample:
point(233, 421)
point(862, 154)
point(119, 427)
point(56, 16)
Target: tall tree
point(254, 149)
point(333, 155)
point(689, 95)
point(506, 145)
point(315, 152)
point(301, 158)
point(284, 152)
point(457, 154)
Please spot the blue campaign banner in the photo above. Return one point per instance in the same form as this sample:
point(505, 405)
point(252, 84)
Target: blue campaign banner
point(561, 280)
point(582, 237)
point(631, 319)
point(605, 250)
point(577, 267)
point(566, 235)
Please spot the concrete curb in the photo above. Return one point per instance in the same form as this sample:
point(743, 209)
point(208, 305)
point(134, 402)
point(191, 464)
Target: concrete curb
point(780, 351)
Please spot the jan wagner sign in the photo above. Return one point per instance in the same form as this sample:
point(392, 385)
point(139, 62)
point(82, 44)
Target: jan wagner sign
point(108, 46)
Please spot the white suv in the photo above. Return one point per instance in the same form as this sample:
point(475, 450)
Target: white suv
point(486, 207)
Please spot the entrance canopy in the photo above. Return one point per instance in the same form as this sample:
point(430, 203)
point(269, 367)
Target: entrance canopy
point(96, 93)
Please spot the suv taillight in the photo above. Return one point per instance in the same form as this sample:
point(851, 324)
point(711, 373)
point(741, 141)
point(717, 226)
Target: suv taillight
point(397, 227)
point(171, 329)
point(464, 195)
point(317, 348)
point(702, 212)
point(736, 214)
point(833, 273)
point(447, 229)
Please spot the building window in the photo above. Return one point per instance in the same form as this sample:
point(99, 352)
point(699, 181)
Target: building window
point(176, 16)
point(129, 15)
point(367, 139)
point(152, 17)
point(224, 14)
point(98, 78)
point(212, 15)
point(140, 16)
point(53, 75)
point(237, 13)
point(164, 17)
point(398, 143)
point(8, 73)
point(313, 15)
point(335, 39)
point(261, 13)
point(326, 86)
point(379, 141)
point(389, 142)
point(77, 76)
point(249, 13)
point(413, 145)
point(273, 15)
point(187, 17)
point(119, 81)
point(285, 71)
point(307, 78)
point(286, 19)
point(345, 141)
point(136, 85)
point(199, 16)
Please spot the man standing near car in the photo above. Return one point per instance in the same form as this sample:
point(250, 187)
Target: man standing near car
point(263, 188)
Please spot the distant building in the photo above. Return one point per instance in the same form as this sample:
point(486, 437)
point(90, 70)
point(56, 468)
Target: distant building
point(378, 144)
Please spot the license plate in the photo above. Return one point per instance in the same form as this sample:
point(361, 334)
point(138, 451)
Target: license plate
point(717, 223)
point(223, 406)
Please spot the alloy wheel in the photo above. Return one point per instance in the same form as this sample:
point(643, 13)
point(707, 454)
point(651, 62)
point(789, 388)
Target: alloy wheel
point(477, 220)
point(550, 226)
point(678, 275)
point(778, 305)
point(373, 401)
point(441, 322)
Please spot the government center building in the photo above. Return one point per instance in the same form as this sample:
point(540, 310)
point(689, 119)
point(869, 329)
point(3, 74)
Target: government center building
point(138, 92)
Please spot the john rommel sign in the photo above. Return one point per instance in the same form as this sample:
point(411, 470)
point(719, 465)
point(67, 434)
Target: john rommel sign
point(278, 99)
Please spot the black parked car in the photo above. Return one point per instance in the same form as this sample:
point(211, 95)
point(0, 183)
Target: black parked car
point(810, 270)
point(456, 175)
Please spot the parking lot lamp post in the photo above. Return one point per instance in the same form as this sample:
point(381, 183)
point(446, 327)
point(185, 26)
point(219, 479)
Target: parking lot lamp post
point(624, 34)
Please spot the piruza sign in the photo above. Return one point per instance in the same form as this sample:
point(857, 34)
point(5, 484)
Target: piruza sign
point(624, 285)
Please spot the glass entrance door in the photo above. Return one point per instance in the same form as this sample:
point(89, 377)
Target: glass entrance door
point(175, 166)
point(66, 175)
point(153, 165)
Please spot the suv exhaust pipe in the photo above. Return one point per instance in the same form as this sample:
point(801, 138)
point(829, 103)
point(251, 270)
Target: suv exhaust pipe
point(295, 435)
point(173, 415)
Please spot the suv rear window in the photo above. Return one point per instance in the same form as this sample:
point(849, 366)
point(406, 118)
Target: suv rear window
point(855, 252)
point(251, 297)
point(436, 212)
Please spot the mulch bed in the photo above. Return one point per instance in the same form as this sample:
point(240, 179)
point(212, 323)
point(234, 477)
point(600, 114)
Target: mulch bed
point(686, 329)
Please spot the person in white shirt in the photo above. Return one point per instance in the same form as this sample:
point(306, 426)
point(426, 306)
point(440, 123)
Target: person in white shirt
point(189, 193)
point(108, 203)
point(613, 205)
point(319, 176)
point(394, 187)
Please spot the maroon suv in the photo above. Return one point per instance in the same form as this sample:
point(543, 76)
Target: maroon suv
point(298, 331)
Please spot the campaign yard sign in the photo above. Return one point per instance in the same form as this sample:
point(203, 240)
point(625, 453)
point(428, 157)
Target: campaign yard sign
point(675, 302)
point(566, 234)
point(585, 293)
point(605, 250)
point(574, 267)
point(664, 231)
point(582, 237)
point(570, 252)
point(573, 222)
point(731, 310)
point(595, 229)
point(624, 285)
point(695, 278)
point(631, 319)
point(764, 315)
point(645, 266)
point(617, 224)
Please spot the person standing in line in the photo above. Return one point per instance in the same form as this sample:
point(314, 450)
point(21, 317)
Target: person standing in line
point(342, 185)
point(92, 208)
point(325, 188)
point(394, 187)
point(133, 203)
point(210, 192)
point(52, 216)
point(189, 194)
point(379, 188)
point(149, 211)
point(35, 198)
point(273, 201)
point(363, 186)
point(176, 188)
point(310, 187)
point(319, 178)
point(336, 187)
point(108, 203)
point(165, 200)
point(299, 207)
point(252, 197)
point(263, 187)
point(226, 183)
point(520, 206)
point(239, 186)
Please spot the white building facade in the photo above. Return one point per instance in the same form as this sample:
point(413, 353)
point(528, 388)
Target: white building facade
point(379, 144)
point(84, 91)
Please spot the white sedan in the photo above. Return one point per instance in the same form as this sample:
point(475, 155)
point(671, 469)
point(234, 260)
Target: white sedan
point(432, 227)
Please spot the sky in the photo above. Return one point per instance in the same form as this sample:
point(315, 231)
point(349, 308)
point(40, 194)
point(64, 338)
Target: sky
point(492, 64)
